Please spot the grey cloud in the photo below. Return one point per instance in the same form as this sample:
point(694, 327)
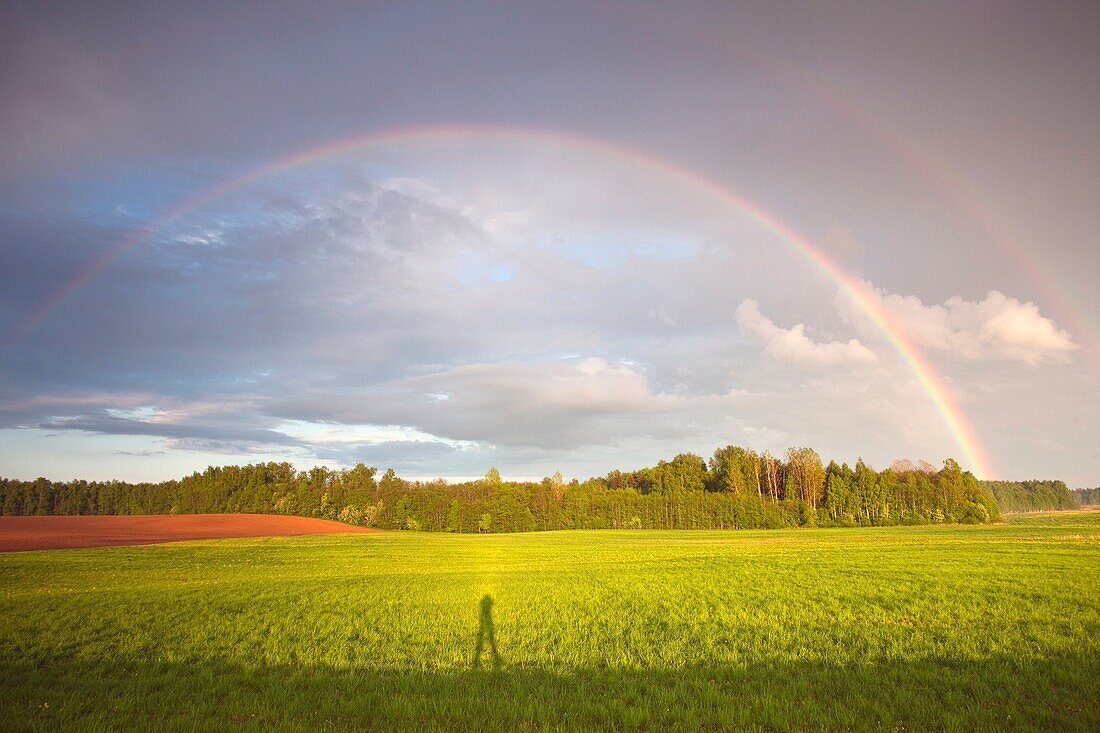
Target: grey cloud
point(345, 298)
point(350, 287)
point(424, 458)
point(109, 425)
point(542, 404)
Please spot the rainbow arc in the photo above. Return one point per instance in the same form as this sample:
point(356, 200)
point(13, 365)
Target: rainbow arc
point(932, 383)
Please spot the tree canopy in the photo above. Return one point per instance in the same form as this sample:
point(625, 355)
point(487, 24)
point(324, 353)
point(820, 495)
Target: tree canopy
point(1032, 496)
point(736, 487)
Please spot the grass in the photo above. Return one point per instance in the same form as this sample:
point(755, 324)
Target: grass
point(909, 628)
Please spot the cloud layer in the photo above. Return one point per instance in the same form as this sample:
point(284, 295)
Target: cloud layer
point(793, 346)
point(997, 327)
point(334, 317)
point(444, 304)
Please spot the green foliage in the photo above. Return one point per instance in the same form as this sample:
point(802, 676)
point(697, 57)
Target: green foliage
point(1032, 496)
point(805, 476)
point(735, 470)
point(738, 489)
point(952, 628)
point(350, 515)
point(452, 517)
point(1088, 497)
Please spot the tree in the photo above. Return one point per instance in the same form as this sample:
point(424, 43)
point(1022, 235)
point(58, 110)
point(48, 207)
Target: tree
point(772, 474)
point(805, 475)
point(685, 473)
point(865, 492)
point(901, 466)
point(359, 484)
point(389, 482)
point(740, 489)
point(838, 490)
point(452, 517)
point(735, 470)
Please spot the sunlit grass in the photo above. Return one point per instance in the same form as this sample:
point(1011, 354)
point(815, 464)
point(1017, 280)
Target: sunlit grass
point(945, 627)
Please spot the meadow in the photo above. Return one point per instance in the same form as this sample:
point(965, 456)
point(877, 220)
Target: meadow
point(985, 627)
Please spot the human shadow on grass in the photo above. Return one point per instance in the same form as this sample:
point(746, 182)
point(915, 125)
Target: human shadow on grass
point(129, 693)
point(485, 632)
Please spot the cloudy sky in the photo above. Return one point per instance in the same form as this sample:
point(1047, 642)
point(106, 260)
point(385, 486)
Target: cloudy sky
point(442, 237)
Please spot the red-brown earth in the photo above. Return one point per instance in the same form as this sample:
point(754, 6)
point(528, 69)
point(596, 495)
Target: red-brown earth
point(49, 533)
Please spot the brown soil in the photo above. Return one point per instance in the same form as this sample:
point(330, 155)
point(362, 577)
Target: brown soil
point(48, 533)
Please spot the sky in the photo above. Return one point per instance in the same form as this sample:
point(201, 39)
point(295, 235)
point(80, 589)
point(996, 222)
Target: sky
point(440, 237)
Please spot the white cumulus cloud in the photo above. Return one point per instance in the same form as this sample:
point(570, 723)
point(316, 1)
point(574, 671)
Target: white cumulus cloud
point(997, 327)
point(793, 346)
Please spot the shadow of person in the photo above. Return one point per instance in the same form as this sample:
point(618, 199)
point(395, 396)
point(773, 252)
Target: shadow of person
point(485, 629)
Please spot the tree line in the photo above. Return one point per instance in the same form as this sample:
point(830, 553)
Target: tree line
point(1088, 497)
point(735, 488)
point(1032, 496)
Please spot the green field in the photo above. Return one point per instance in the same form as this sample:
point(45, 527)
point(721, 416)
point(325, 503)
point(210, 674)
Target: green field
point(908, 628)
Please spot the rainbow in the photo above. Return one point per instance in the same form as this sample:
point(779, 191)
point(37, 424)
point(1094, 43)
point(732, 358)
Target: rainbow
point(952, 415)
point(948, 182)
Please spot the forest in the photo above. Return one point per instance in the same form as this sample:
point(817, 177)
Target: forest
point(1088, 497)
point(735, 488)
point(1032, 496)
